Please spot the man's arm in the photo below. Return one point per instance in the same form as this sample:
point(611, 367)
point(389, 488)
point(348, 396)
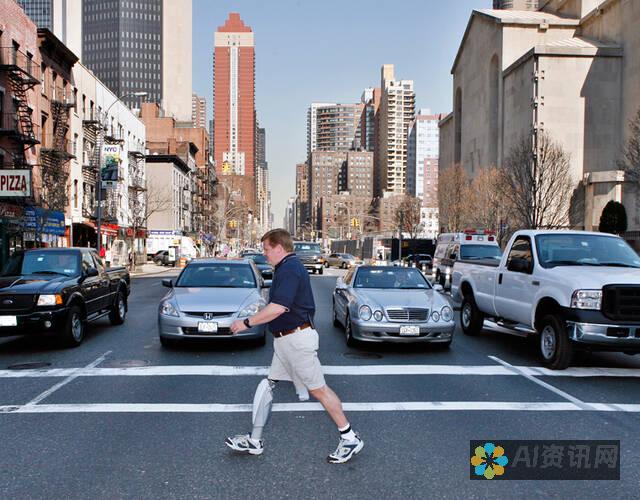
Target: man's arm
point(269, 313)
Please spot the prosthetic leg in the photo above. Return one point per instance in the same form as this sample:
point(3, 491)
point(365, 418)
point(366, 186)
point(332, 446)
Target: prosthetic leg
point(262, 401)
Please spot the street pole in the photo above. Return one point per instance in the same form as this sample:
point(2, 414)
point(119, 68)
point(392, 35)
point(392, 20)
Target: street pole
point(103, 128)
point(400, 239)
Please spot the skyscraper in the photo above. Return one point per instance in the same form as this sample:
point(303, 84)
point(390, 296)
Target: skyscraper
point(62, 17)
point(234, 103)
point(141, 46)
point(199, 111)
point(395, 115)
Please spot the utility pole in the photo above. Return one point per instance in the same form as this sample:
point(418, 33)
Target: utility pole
point(400, 239)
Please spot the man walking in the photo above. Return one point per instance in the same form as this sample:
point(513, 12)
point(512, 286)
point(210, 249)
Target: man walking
point(289, 314)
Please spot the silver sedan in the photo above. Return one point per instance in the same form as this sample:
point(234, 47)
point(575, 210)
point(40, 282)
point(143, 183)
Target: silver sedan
point(391, 304)
point(207, 297)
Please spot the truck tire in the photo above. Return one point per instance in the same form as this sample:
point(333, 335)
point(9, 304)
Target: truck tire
point(72, 333)
point(471, 318)
point(118, 310)
point(556, 350)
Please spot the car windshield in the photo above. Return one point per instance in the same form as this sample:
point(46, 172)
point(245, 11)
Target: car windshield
point(391, 278)
point(302, 248)
point(584, 250)
point(217, 276)
point(258, 258)
point(348, 256)
point(476, 252)
point(44, 262)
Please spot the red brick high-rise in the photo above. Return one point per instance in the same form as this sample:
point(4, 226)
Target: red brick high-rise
point(234, 107)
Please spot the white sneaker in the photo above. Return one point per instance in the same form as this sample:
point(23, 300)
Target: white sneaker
point(243, 443)
point(346, 450)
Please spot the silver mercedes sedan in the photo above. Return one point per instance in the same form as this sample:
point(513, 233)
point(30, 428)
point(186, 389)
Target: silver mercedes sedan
point(391, 304)
point(209, 295)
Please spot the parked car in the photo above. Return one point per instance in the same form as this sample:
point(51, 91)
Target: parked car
point(266, 269)
point(209, 295)
point(310, 254)
point(59, 290)
point(342, 260)
point(162, 258)
point(574, 289)
point(391, 304)
point(470, 245)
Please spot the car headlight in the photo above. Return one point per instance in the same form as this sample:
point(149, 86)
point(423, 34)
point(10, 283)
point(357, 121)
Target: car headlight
point(168, 309)
point(377, 315)
point(50, 300)
point(446, 313)
point(365, 313)
point(586, 299)
point(250, 310)
point(435, 316)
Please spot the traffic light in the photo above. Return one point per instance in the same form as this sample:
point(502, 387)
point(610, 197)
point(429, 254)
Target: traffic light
point(355, 222)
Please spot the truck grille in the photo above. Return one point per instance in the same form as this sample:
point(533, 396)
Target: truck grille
point(621, 302)
point(407, 314)
point(16, 303)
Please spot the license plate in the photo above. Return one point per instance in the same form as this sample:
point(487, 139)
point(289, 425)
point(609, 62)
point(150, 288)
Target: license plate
point(207, 327)
point(8, 321)
point(409, 330)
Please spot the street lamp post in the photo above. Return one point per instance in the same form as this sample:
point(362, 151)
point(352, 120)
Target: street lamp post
point(103, 128)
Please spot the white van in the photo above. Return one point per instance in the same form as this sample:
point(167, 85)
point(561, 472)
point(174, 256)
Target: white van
point(468, 245)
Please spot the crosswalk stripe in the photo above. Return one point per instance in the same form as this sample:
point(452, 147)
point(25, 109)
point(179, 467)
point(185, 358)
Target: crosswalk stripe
point(354, 370)
point(305, 407)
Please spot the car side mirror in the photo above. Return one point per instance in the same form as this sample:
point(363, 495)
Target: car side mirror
point(518, 265)
point(167, 283)
point(266, 283)
point(92, 272)
point(438, 287)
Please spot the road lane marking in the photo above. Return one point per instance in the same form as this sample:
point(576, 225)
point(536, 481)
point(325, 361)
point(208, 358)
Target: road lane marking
point(69, 378)
point(555, 390)
point(304, 407)
point(355, 370)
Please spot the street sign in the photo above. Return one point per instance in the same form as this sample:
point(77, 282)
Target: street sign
point(15, 183)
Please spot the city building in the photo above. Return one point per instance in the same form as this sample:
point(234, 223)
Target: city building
point(312, 125)
point(568, 69)
point(338, 127)
point(141, 46)
point(303, 201)
point(370, 99)
point(234, 109)
point(289, 222)
point(199, 111)
point(262, 180)
point(344, 216)
point(62, 17)
point(395, 114)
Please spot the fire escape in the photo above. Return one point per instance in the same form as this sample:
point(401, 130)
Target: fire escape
point(56, 151)
point(110, 195)
point(137, 202)
point(21, 76)
point(90, 162)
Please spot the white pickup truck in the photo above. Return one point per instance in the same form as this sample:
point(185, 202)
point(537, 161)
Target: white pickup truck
point(575, 289)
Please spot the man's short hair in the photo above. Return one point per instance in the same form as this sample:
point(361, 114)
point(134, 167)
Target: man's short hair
point(279, 237)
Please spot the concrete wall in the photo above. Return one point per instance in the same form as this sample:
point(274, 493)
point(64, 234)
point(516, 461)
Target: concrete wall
point(176, 58)
point(518, 115)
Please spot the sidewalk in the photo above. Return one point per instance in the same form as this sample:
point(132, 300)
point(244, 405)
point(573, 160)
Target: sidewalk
point(151, 269)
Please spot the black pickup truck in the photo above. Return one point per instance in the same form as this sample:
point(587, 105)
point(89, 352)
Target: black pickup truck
point(59, 290)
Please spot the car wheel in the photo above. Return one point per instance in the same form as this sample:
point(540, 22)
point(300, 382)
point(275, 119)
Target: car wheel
point(321, 270)
point(336, 322)
point(73, 333)
point(118, 309)
point(326, 264)
point(348, 330)
point(344, 265)
point(471, 318)
point(556, 350)
point(168, 343)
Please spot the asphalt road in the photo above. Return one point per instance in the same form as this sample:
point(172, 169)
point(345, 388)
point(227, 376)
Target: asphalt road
point(121, 417)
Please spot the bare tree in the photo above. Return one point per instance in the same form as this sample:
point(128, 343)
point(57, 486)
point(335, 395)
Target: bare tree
point(538, 183)
point(407, 216)
point(453, 198)
point(630, 161)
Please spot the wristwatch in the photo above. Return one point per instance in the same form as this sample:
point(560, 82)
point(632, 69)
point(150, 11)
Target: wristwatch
point(246, 322)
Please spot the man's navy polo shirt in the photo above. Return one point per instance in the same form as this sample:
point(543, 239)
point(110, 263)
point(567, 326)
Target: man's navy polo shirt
point(291, 288)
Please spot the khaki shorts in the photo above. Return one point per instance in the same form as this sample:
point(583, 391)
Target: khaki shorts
point(295, 358)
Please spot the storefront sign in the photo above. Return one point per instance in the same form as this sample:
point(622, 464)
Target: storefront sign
point(10, 212)
point(44, 221)
point(110, 229)
point(15, 183)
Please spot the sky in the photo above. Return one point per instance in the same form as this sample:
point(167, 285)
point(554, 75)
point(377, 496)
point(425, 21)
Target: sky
point(329, 51)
